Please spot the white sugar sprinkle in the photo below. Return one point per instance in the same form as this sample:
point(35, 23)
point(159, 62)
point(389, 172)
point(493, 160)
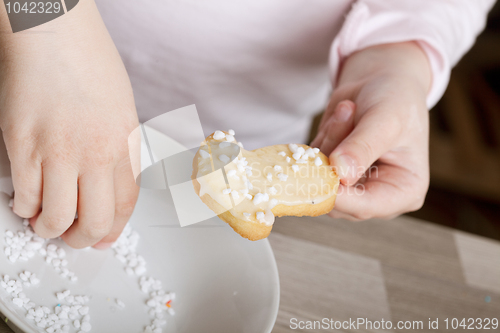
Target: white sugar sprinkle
point(260, 216)
point(260, 197)
point(223, 158)
point(86, 327)
point(310, 153)
point(204, 154)
point(126, 246)
point(57, 321)
point(231, 132)
point(120, 303)
point(282, 177)
point(269, 176)
point(18, 301)
point(282, 153)
point(295, 167)
point(318, 161)
point(277, 168)
point(218, 135)
point(231, 173)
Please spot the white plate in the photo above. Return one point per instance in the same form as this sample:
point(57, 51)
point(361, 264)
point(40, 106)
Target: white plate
point(223, 283)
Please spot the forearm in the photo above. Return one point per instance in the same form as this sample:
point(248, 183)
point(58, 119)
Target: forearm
point(404, 60)
point(72, 49)
point(80, 35)
point(83, 18)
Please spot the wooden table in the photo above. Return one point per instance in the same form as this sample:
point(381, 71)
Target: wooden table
point(399, 270)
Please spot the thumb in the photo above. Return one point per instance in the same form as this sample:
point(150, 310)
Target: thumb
point(373, 136)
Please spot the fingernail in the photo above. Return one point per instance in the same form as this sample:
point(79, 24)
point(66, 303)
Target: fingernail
point(103, 245)
point(345, 166)
point(343, 113)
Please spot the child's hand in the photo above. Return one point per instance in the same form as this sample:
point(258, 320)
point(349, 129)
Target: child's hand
point(387, 126)
point(66, 112)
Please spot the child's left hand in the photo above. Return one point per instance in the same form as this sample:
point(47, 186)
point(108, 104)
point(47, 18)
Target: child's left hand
point(378, 116)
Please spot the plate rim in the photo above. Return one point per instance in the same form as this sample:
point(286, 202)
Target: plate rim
point(19, 325)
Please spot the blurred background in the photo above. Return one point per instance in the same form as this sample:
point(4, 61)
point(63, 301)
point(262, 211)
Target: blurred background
point(465, 142)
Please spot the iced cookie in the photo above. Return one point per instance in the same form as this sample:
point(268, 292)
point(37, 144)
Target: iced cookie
point(259, 185)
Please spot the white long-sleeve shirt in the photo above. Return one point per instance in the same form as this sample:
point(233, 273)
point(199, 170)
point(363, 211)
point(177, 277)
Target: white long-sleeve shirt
point(265, 67)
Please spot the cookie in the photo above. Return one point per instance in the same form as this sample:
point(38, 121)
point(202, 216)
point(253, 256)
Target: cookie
point(248, 189)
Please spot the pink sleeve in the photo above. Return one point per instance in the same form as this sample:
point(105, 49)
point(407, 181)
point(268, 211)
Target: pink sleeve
point(445, 29)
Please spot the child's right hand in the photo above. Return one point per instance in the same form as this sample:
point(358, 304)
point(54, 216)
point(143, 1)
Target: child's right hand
point(66, 111)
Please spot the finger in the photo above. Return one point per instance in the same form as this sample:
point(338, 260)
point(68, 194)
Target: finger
point(388, 191)
point(339, 215)
point(318, 140)
point(126, 192)
point(374, 134)
point(96, 202)
point(59, 201)
point(339, 127)
point(335, 124)
point(27, 182)
point(345, 93)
